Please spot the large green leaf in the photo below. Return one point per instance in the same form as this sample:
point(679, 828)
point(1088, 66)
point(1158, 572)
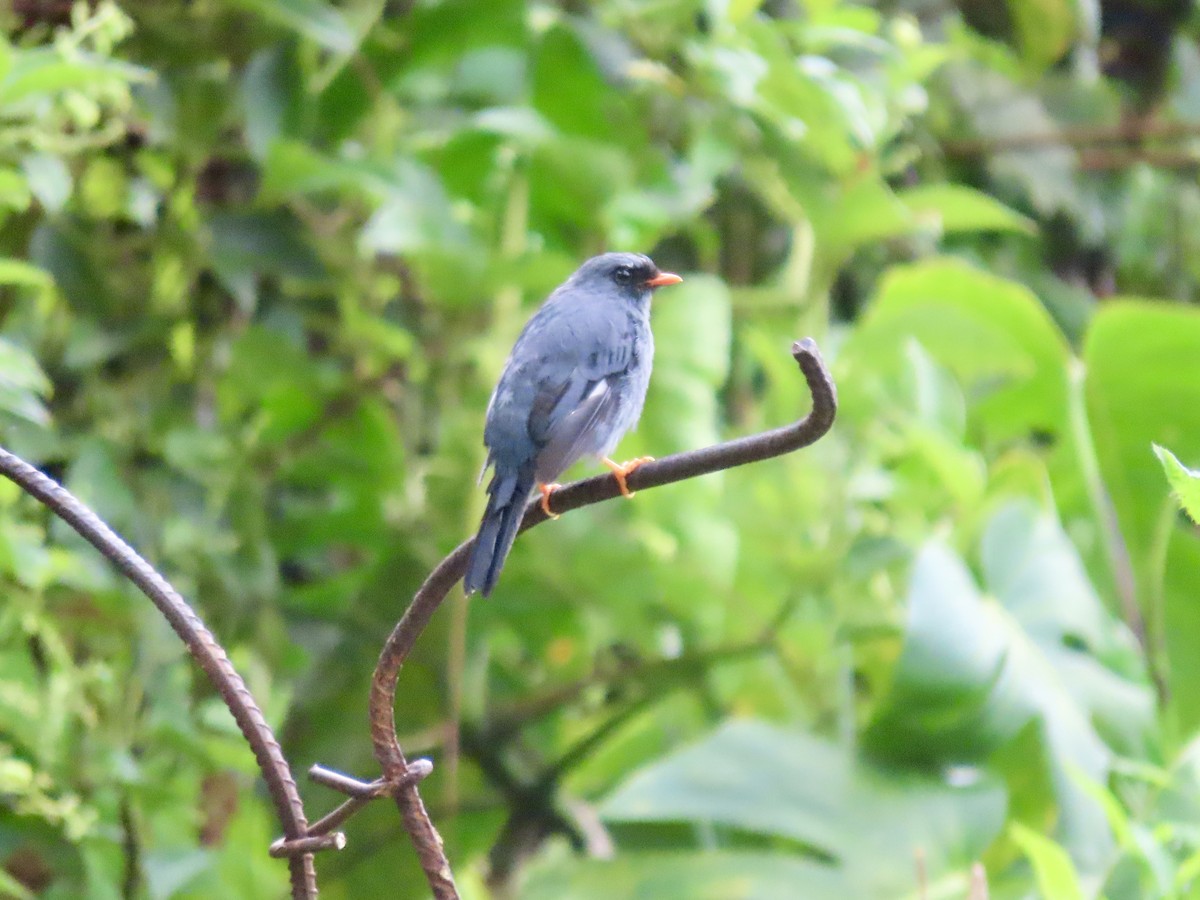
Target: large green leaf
point(710, 875)
point(993, 335)
point(1038, 645)
point(1141, 390)
point(958, 208)
point(868, 821)
point(1139, 356)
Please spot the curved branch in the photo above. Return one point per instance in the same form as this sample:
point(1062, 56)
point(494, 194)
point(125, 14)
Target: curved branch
point(670, 469)
point(199, 640)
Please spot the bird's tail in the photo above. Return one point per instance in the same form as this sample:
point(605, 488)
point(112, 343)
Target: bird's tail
point(507, 495)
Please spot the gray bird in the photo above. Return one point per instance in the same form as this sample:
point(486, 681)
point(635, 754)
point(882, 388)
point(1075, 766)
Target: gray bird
point(573, 385)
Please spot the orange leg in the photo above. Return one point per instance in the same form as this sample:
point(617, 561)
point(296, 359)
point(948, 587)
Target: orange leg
point(621, 470)
point(547, 490)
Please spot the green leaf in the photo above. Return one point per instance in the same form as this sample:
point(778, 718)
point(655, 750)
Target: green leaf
point(96, 478)
point(104, 188)
point(6, 58)
point(19, 369)
point(1056, 875)
point(1046, 29)
point(23, 384)
point(495, 75)
point(14, 190)
point(768, 781)
point(938, 402)
point(19, 273)
point(294, 168)
point(319, 22)
point(1140, 390)
point(569, 92)
point(273, 380)
point(941, 688)
point(246, 246)
point(415, 216)
point(169, 872)
point(518, 122)
point(711, 875)
point(1184, 482)
point(848, 217)
point(199, 453)
point(992, 335)
point(272, 93)
point(974, 671)
point(49, 179)
point(957, 208)
point(44, 71)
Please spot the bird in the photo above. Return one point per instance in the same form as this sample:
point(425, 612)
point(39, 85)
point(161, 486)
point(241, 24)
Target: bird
point(573, 384)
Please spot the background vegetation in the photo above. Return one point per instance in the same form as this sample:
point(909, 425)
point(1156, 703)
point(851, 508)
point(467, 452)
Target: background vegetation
point(260, 263)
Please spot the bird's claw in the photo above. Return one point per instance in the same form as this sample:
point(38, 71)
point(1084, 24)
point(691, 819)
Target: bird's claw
point(547, 490)
point(622, 470)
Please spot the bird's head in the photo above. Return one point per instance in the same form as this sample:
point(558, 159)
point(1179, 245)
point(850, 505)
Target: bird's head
point(629, 275)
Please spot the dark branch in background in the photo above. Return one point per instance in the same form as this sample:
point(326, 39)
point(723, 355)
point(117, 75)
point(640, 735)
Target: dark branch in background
point(1101, 148)
point(1102, 161)
point(1127, 133)
point(534, 811)
point(203, 646)
point(398, 776)
point(638, 682)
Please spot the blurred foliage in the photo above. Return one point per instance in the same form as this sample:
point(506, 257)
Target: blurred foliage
point(260, 263)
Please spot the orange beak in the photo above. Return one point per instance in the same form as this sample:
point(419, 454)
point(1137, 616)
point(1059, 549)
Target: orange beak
point(662, 279)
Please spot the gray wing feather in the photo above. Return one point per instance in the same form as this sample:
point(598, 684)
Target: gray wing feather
point(559, 395)
point(578, 397)
point(577, 432)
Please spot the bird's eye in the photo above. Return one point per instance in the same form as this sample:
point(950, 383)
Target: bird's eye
point(623, 275)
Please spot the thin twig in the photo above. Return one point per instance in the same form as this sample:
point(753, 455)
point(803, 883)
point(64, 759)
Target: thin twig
point(199, 640)
point(429, 597)
point(1131, 132)
point(1117, 160)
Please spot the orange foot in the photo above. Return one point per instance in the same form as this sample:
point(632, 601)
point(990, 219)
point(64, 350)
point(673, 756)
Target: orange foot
point(621, 470)
point(547, 490)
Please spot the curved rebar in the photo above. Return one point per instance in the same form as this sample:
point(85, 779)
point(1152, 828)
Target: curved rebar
point(200, 642)
point(678, 467)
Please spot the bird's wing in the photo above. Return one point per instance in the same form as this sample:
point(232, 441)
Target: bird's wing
point(575, 391)
point(576, 433)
